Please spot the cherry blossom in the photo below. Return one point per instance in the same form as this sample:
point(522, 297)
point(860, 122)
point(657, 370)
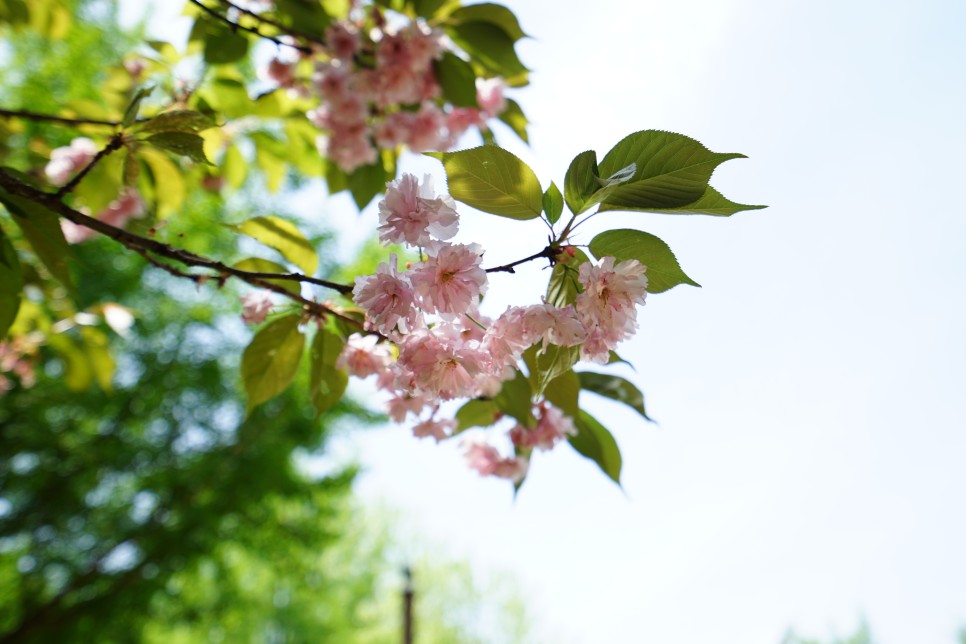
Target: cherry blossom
point(256, 306)
point(451, 279)
point(412, 214)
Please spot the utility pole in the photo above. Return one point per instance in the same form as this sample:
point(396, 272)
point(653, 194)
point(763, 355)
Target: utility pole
point(408, 607)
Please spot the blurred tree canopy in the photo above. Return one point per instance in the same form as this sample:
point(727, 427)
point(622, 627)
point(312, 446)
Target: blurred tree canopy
point(138, 499)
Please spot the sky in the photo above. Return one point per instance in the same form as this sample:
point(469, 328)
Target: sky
point(809, 466)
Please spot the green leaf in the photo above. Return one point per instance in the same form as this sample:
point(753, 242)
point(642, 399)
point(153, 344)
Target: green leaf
point(99, 357)
point(489, 45)
point(711, 202)
point(492, 13)
point(515, 119)
point(366, 182)
point(615, 388)
point(670, 170)
point(580, 181)
point(457, 80)
point(547, 364)
point(428, 8)
point(663, 270)
point(284, 237)
point(493, 180)
point(11, 284)
point(564, 392)
point(234, 168)
point(476, 413)
point(77, 368)
point(188, 121)
point(185, 144)
point(169, 185)
point(223, 46)
point(596, 443)
point(327, 384)
point(515, 399)
point(259, 265)
point(553, 203)
point(131, 113)
point(228, 96)
point(271, 360)
point(614, 359)
point(564, 287)
point(42, 229)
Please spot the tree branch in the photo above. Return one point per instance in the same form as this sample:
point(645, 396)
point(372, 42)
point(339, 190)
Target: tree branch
point(114, 144)
point(252, 30)
point(144, 246)
point(34, 116)
point(273, 23)
point(550, 252)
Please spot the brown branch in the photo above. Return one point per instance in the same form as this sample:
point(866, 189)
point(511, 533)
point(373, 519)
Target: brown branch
point(252, 30)
point(114, 144)
point(288, 31)
point(144, 246)
point(34, 116)
point(550, 252)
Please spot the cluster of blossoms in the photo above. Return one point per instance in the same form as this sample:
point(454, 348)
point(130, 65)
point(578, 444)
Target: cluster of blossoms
point(127, 206)
point(380, 91)
point(447, 349)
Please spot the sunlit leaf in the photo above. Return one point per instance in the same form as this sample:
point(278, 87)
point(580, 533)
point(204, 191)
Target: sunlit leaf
point(495, 14)
point(564, 392)
point(327, 384)
point(186, 144)
point(457, 80)
point(493, 180)
point(270, 362)
point(553, 203)
point(663, 270)
point(515, 119)
point(580, 181)
point(259, 265)
point(477, 413)
point(284, 237)
point(711, 202)
point(177, 121)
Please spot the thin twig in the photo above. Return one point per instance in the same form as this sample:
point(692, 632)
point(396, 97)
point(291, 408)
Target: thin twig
point(252, 30)
point(35, 116)
point(550, 252)
point(273, 23)
point(116, 142)
point(145, 245)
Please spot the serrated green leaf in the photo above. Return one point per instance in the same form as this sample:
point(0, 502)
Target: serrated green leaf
point(270, 362)
point(663, 270)
point(615, 388)
point(224, 46)
point(553, 203)
point(580, 182)
point(327, 384)
point(11, 284)
point(476, 413)
point(489, 12)
point(259, 265)
point(671, 170)
point(515, 399)
point(177, 121)
point(131, 113)
point(564, 392)
point(489, 45)
point(564, 287)
point(493, 180)
point(594, 441)
point(184, 144)
point(284, 237)
point(515, 119)
point(711, 202)
point(457, 80)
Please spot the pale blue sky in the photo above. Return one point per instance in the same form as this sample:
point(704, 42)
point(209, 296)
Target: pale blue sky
point(810, 465)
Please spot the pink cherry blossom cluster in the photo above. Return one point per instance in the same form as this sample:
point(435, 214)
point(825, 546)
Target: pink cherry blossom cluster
point(378, 90)
point(128, 205)
point(17, 361)
point(447, 350)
